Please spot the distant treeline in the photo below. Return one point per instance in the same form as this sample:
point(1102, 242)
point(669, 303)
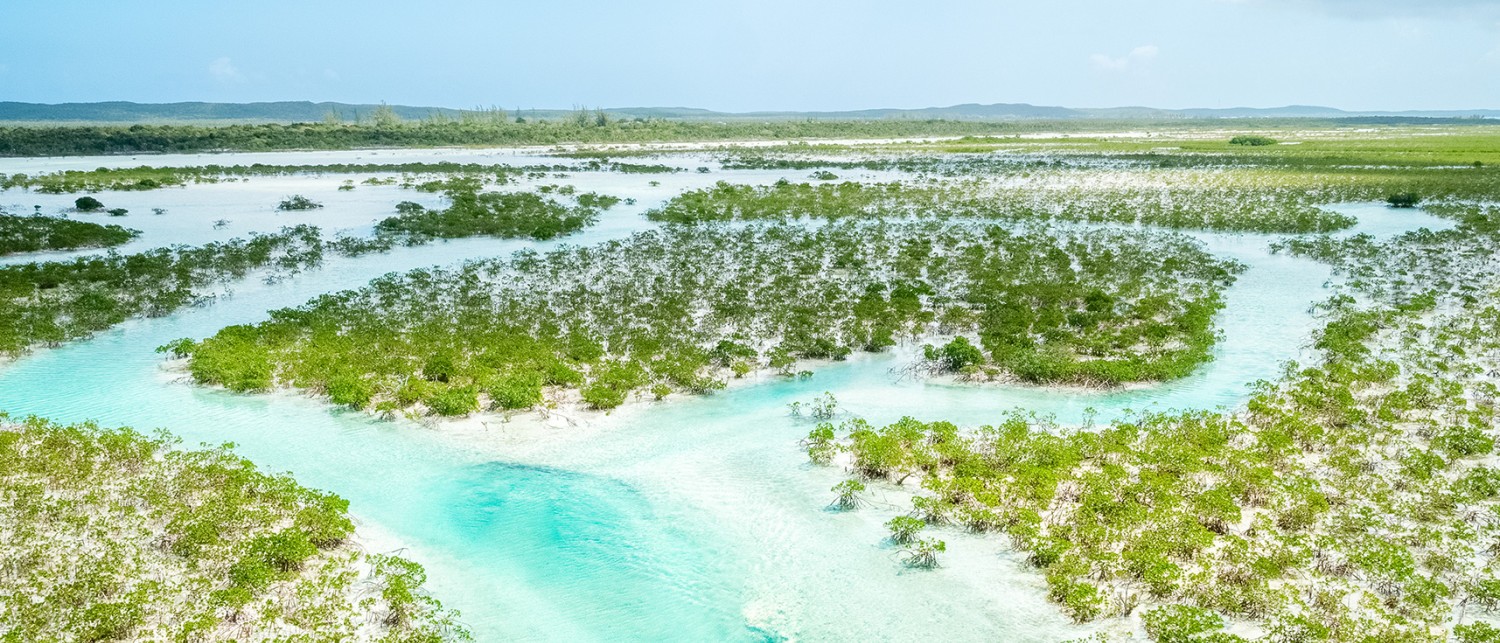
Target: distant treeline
point(84, 140)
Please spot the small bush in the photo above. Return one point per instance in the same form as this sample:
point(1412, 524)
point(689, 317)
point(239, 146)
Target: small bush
point(1403, 200)
point(519, 391)
point(904, 529)
point(297, 202)
point(1477, 632)
point(88, 204)
point(1180, 623)
point(454, 401)
point(1253, 141)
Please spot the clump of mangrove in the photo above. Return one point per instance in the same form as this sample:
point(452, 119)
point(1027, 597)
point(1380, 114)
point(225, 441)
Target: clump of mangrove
point(472, 212)
point(297, 202)
point(111, 534)
point(35, 233)
point(1171, 207)
point(684, 308)
point(131, 179)
point(1353, 499)
point(48, 303)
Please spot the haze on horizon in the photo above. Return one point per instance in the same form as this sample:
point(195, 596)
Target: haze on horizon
point(770, 55)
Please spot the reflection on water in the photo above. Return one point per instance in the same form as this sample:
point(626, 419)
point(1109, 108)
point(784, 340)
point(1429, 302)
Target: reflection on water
point(697, 519)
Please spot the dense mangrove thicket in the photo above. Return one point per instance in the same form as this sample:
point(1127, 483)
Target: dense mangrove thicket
point(1217, 180)
point(151, 178)
point(48, 303)
point(1323, 166)
point(52, 302)
point(109, 139)
point(1091, 197)
point(681, 308)
point(472, 212)
point(114, 535)
point(1469, 151)
point(1352, 500)
point(35, 233)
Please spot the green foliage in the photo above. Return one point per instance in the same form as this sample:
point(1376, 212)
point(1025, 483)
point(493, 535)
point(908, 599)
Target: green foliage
point(848, 494)
point(1404, 200)
point(114, 535)
point(685, 307)
point(412, 174)
point(821, 444)
point(1251, 140)
point(35, 233)
point(904, 529)
point(955, 356)
point(516, 390)
point(88, 204)
point(1207, 207)
point(1349, 500)
point(923, 554)
point(498, 214)
point(297, 202)
point(453, 400)
point(1180, 623)
point(350, 390)
point(53, 302)
point(1477, 632)
point(109, 139)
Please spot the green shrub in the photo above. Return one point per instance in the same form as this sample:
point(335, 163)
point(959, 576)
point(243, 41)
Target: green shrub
point(603, 396)
point(1251, 140)
point(904, 529)
point(956, 355)
point(1476, 632)
point(33, 233)
point(1403, 200)
point(1180, 623)
point(516, 390)
point(297, 202)
point(454, 400)
point(350, 390)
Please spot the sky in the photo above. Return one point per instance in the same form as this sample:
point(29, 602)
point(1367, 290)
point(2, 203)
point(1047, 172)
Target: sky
point(764, 55)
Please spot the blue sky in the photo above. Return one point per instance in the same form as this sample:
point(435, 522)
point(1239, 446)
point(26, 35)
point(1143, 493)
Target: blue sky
point(774, 54)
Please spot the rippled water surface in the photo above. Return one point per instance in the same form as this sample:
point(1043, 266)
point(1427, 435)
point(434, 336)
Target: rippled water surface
point(692, 519)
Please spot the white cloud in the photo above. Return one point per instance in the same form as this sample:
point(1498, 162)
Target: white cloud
point(224, 70)
point(1135, 59)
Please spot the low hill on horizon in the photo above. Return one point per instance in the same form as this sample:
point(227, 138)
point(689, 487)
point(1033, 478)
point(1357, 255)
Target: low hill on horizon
point(115, 112)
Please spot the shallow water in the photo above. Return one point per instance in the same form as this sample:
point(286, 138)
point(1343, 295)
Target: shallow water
point(693, 519)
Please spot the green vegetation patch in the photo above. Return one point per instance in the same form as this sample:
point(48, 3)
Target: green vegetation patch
point(472, 212)
point(1353, 500)
point(114, 535)
point(1252, 140)
point(152, 178)
point(1088, 197)
point(107, 139)
point(53, 302)
point(683, 308)
point(36, 233)
point(48, 303)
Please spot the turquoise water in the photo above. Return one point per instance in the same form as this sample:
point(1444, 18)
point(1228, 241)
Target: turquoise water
point(692, 519)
